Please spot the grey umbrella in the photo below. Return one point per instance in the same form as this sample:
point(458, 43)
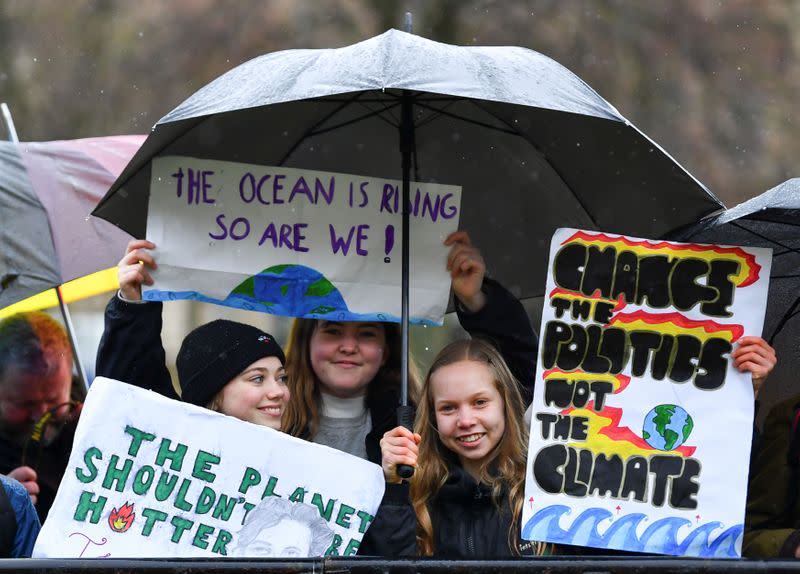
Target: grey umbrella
point(771, 220)
point(533, 147)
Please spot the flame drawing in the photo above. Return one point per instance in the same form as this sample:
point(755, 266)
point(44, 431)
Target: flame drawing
point(749, 270)
point(121, 520)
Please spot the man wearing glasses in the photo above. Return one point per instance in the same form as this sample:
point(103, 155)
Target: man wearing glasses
point(37, 417)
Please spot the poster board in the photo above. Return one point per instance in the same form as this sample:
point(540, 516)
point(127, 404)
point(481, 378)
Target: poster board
point(153, 477)
point(637, 403)
point(297, 242)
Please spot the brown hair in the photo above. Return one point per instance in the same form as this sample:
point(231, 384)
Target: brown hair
point(301, 418)
point(507, 460)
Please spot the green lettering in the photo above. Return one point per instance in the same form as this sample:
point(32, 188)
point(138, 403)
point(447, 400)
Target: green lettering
point(202, 466)
point(137, 436)
point(352, 547)
point(326, 512)
point(117, 475)
point(175, 457)
point(224, 507)
point(247, 508)
point(269, 490)
point(343, 518)
point(181, 525)
point(166, 484)
point(366, 518)
point(251, 478)
point(152, 515)
point(143, 479)
point(298, 495)
point(199, 540)
point(86, 477)
point(222, 541)
point(87, 505)
point(333, 549)
point(180, 498)
point(205, 501)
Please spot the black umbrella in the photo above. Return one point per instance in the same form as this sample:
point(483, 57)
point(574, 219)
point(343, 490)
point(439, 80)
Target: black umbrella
point(533, 147)
point(771, 220)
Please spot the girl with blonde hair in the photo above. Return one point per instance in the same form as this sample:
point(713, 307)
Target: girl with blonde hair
point(465, 498)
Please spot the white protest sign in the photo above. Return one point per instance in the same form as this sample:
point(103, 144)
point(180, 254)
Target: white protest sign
point(297, 242)
point(153, 477)
point(641, 426)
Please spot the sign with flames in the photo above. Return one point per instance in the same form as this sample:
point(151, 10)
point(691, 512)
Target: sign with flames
point(169, 479)
point(641, 426)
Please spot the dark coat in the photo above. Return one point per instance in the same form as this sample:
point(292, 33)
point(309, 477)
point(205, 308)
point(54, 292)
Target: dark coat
point(772, 519)
point(468, 522)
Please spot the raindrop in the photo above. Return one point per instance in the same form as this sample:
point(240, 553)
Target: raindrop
point(141, 34)
point(577, 144)
point(427, 348)
point(36, 59)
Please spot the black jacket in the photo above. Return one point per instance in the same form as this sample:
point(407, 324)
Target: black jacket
point(467, 522)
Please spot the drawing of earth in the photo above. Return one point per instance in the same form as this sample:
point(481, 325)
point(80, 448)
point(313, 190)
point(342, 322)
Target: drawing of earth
point(293, 290)
point(667, 427)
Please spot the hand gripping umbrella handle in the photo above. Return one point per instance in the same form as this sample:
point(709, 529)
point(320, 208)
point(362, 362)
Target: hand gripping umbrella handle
point(405, 418)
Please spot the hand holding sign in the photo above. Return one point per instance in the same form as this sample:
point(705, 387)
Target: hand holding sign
point(467, 269)
point(756, 356)
point(133, 269)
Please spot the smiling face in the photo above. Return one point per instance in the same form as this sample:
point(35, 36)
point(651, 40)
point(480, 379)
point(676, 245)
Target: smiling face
point(258, 394)
point(346, 356)
point(470, 415)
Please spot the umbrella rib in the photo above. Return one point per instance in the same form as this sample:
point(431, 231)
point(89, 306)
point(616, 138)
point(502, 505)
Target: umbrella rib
point(302, 138)
point(354, 121)
point(545, 158)
point(764, 237)
point(468, 120)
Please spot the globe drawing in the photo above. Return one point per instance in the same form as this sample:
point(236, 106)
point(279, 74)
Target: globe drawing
point(292, 290)
point(667, 427)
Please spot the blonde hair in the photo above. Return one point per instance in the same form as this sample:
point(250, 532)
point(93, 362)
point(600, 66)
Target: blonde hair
point(301, 418)
point(504, 467)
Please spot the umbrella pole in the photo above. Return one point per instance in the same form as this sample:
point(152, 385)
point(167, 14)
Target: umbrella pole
point(405, 412)
point(73, 342)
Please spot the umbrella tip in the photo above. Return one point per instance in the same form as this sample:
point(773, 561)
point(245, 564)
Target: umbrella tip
point(408, 23)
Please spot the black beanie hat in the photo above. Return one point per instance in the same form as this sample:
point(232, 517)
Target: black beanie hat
point(214, 353)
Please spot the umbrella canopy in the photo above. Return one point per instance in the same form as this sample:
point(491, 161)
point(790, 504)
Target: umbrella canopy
point(771, 220)
point(47, 190)
point(533, 147)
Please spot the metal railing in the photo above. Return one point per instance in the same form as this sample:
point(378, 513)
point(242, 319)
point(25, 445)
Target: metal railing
point(549, 565)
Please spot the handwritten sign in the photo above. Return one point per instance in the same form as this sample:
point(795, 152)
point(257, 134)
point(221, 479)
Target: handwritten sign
point(297, 242)
point(641, 426)
point(152, 477)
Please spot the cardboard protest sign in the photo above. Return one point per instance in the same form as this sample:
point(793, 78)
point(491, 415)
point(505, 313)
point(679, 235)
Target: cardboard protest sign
point(297, 242)
point(153, 477)
point(641, 426)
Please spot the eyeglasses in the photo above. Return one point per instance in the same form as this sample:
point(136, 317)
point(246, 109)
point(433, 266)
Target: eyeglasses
point(46, 430)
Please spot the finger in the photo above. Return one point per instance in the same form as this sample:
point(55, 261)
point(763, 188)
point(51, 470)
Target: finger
point(137, 257)
point(458, 237)
point(32, 488)
point(758, 371)
point(34, 499)
point(23, 474)
point(762, 349)
point(463, 258)
point(135, 244)
point(398, 431)
point(754, 358)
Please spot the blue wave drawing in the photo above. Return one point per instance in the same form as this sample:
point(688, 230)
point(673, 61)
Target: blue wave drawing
point(660, 537)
